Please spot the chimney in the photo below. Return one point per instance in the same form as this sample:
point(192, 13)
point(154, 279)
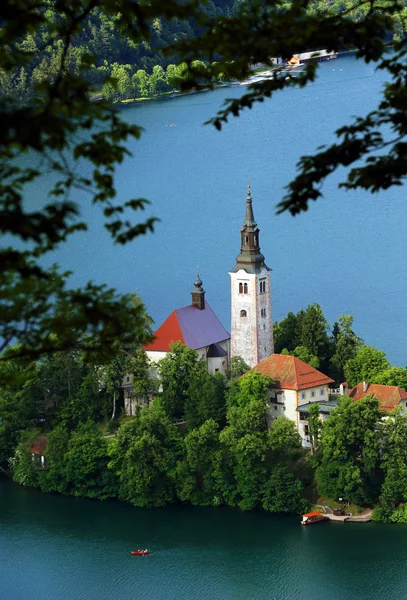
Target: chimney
point(343, 388)
point(365, 386)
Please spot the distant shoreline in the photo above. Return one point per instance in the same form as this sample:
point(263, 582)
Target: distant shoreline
point(179, 94)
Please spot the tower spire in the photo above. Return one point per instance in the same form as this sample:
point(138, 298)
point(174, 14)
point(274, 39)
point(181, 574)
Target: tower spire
point(249, 217)
point(250, 259)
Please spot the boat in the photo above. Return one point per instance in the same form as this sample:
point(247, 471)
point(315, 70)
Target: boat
point(140, 552)
point(312, 517)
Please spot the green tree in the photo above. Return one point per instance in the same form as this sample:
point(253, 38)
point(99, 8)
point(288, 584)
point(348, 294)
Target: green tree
point(282, 492)
point(314, 336)
point(350, 452)
point(140, 82)
point(237, 367)
point(53, 477)
point(158, 81)
point(286, 334)
point(176, 371)
point(392, 376)
point(346, 346)
point(304, 354)
point(244, 443)
point(22, 465)
point(196, 472)
point(368, 364)
point(144, 457)
point(394, 464)
point(205, 399)
point(85, 465)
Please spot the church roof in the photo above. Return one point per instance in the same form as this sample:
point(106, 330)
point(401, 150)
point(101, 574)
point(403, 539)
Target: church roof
point(193, 327)
point(291, 373)
point(389, 396)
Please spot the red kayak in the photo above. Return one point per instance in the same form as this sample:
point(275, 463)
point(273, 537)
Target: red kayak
point(140, 552)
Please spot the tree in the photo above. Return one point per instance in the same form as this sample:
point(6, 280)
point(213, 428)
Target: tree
point(244, 443)
point(145, 381)
point(140, 83)
point(237, 367)
point(85, 465)
point(176, 371)
point(286, 334)
point(303, 354)
point(144, 456)
point(365, 366)
point(394, 464)
point(158, 81)
point(196, 481)
point(392, 376)
point(314, 329)
point(346, 345)
point(205, 399)
point(282, 492)
point(350, 452)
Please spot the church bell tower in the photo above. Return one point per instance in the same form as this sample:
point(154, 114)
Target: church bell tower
point(252, 324)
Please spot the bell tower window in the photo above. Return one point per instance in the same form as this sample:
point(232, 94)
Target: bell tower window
point(246, 240)
point(245, 289)
point(240, 288)
point(263, 286)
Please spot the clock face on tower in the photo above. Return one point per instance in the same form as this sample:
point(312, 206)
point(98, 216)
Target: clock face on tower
point(252, 325)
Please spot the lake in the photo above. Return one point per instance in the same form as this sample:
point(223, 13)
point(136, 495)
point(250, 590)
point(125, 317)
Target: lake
point(347, 252)
point(55, 547)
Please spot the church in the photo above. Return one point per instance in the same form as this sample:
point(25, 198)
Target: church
point(198, 327)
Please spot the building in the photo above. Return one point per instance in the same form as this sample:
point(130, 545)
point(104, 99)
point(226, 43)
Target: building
point(251, 315)
point(389, 396)
point(197, 327)
point(296, 384)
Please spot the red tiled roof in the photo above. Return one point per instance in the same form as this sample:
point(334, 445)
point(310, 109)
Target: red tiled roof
point(291, 373)
point(39, 444)
point(169, 332)
point(389, 396)
point(193, 327)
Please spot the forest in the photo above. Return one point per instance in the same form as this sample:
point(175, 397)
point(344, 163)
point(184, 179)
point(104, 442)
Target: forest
point(203, 439)
point(119, 68)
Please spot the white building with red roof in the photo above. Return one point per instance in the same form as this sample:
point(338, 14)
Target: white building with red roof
point(295, 384)
point(197, 327)
point(389, 396)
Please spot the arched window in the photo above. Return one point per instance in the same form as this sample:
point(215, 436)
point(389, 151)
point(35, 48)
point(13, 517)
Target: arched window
point(255, 240)
point(245, 289)
point(263, 287)
point(246, 240)
point(243, 313)
point(240, 288)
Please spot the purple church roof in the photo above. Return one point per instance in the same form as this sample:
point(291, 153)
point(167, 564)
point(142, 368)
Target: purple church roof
point(193, 327)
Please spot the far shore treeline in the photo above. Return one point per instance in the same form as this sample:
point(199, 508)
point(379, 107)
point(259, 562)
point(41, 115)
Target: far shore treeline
point(203, 439)
point(121, 69)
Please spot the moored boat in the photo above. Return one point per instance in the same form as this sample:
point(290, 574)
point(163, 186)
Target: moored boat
point(312, 517)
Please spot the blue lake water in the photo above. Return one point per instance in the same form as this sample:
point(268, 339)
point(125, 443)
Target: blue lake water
point(54, 547)
point(347, 252)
